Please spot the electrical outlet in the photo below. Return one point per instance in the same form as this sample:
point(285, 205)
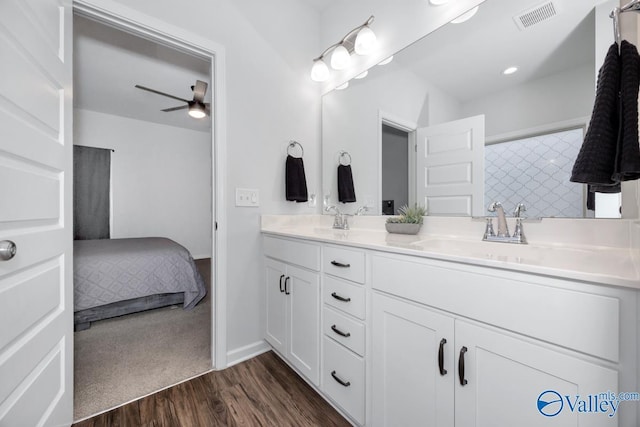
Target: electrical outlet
point(247, 197)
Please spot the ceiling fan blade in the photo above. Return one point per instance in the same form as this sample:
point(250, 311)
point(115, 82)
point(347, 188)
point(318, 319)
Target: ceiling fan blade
point(162, 93)
point(199, 90)
point(183, 107)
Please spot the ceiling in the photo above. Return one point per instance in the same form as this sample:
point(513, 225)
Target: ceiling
point(108, 63)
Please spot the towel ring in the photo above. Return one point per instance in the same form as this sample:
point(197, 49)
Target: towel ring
point(292, 144)
point(344, 155)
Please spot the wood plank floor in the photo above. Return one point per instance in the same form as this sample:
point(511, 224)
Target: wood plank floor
point(262, 391)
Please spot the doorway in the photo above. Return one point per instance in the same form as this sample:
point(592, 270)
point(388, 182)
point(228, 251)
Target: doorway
point(395, 169)
point(205, 252)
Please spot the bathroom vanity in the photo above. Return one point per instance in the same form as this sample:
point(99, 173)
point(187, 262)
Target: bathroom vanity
point(443, 330)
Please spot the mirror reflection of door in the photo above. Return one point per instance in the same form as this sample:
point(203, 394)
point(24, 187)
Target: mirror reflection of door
point(395, 169)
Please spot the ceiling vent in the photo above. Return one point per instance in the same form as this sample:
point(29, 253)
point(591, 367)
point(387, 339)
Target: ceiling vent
point(535, 15)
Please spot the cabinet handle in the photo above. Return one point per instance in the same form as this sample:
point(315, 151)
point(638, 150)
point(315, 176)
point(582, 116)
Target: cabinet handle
point(286, 289)
point(339, 332)
point(339, 380)
point(339, 264)
point(281, 277)
point(339, 298)
point(463, 382)
point(443, 371)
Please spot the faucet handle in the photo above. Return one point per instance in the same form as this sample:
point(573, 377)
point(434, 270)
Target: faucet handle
point(517, 212)
point(488, 231)
point(493, 206)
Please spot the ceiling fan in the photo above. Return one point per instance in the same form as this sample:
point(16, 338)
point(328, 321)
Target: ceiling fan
point(197, 107)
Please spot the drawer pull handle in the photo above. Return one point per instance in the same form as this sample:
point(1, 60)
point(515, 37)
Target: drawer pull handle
point(339, 264)
point(339, 298)
point(281, 277)
point(443, 371)
point(340, 380)
point(286, 290)
point(463, 381)
point(335, 329)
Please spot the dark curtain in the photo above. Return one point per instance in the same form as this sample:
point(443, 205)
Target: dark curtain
point(91, 183)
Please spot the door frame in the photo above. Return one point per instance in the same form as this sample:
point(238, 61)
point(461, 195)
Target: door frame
point(389, 119)
point(145, 26)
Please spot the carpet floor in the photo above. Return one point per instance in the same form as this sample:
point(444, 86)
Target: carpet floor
point(124, 358)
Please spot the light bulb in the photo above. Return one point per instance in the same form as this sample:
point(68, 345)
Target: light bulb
point(362, 75)
point(319, 71)
point(365, 41)
point(340, 58)
point(197, 110)
point(465, 16)
point(386, 61)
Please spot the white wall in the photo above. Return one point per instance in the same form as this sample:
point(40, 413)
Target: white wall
point(160, 178)
point(270, 100)
point(552, 99)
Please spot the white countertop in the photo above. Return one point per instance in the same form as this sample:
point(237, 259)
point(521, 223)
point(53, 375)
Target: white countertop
point(603, 263)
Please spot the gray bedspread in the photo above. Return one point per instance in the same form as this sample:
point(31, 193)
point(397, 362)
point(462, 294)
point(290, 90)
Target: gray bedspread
point(111, 270)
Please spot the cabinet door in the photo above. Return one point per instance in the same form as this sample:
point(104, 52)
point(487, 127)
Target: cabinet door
point(303, 299)
point(408, 388)
point(508, 379)
point(276, 305)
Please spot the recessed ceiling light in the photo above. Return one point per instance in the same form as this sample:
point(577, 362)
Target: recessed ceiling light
point(510, 70)
point(386, 61)
point(362, 75)
point(438, 2)
point(343, 86)
point(465, 16)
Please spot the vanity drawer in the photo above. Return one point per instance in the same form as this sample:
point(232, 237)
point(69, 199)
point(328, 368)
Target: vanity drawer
point(336, 325)
point(345, 263)
point(345, 296)
point(542, 308)
point(343, 378)
point(293, 252)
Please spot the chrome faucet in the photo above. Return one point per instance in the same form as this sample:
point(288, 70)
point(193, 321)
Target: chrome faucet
point(340, 221)
point(361, 210)
point(503, 229)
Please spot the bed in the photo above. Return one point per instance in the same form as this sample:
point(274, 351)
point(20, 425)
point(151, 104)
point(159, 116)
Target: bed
point(113, 277)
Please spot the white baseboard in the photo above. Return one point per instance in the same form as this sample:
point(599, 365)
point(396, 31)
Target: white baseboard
point(247, 352)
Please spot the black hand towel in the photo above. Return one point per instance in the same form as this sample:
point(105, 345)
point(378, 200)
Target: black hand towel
point(295, 180)
point(346, 192)
point(596, 161)
point(627, 166)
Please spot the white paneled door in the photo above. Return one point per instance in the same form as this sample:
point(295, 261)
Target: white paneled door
point(36, 289)
point(450, 167)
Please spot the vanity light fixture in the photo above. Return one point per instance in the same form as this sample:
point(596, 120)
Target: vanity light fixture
point(343, 86)
point(510, 70)
point(360, 40)
point(362, 75)
point(438, 2)
point(465, 16)
point(386, 61)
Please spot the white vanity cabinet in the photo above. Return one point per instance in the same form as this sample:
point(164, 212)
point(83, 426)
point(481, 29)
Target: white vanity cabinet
point(344, 315)
point(439, 368)
point(293, 302)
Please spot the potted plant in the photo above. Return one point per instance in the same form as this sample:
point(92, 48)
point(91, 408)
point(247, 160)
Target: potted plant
point(408, 222)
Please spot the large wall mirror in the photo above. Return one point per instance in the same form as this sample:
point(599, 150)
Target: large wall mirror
point(444, 126)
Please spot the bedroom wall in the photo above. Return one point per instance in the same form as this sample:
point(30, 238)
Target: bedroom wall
point(160, 178)
point(270, 100)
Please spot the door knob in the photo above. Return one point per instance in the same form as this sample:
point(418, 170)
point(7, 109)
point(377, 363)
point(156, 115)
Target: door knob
point(7, 250)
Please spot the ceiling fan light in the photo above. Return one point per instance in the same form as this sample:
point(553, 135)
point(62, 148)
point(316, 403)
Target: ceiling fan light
point(340, 58)
point(197, 110)
point(319, 71)
point(365, 41)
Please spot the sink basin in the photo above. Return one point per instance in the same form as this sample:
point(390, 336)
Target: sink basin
point(481, 249)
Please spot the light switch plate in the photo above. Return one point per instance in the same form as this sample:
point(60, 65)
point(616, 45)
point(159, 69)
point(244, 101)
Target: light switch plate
point(247, 197)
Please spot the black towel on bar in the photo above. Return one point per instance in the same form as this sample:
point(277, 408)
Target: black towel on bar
point(627, 166)
point(595, 163)
point(295, 180)
point(346, 192)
